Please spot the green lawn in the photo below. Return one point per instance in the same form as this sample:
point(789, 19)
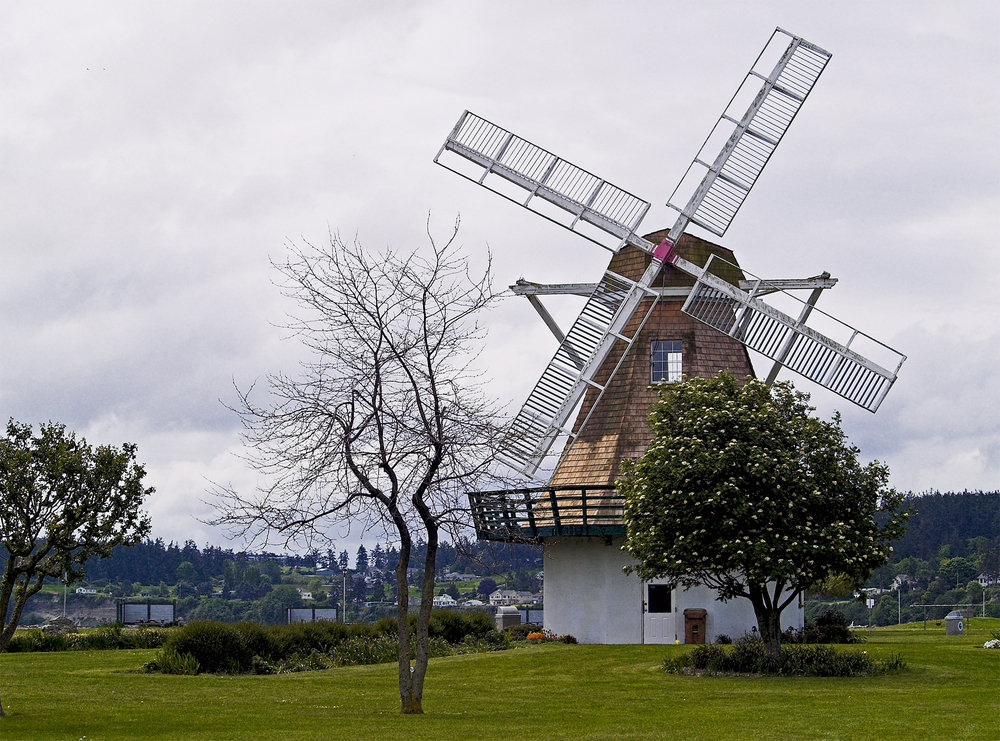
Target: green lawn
point(951, 690)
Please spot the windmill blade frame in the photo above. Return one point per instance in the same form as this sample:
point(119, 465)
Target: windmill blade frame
point(593, 208)
point(833, 364)
point(750, 140)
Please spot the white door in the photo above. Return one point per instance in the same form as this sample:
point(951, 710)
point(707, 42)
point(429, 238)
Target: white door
point(658, 614)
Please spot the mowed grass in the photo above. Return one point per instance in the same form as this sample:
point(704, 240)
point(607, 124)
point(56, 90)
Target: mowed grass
point(951, 690)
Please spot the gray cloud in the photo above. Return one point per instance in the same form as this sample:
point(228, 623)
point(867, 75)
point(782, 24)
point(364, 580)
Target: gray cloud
point(156, 156)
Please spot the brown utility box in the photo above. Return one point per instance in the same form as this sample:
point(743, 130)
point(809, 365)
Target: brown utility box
point(694, 624)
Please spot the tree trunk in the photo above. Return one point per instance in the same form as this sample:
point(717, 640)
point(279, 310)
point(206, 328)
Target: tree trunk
point(768, 620)
point(408, 698)
point(2, 713)
point(422, 630)
point(769, 625)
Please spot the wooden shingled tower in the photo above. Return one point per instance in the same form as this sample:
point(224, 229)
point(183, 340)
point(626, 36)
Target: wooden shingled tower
point(618, 427)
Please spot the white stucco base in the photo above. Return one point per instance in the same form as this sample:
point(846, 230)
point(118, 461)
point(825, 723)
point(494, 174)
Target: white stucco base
point(588, 596)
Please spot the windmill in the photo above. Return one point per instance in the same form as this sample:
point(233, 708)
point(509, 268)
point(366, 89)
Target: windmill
point(839, 358)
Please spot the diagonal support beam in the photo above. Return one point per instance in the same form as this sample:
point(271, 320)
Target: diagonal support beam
point(807, 308)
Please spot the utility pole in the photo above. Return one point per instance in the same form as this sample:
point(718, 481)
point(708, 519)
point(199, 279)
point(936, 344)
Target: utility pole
point(345, 597)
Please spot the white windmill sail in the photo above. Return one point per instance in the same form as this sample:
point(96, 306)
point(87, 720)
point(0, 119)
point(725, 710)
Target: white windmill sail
point(610, 216)
point(750, 137)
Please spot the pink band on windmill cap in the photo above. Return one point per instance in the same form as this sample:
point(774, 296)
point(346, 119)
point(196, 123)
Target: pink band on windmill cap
point(663, 250)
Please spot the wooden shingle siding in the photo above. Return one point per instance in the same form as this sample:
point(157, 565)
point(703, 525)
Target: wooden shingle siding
point(618, 428)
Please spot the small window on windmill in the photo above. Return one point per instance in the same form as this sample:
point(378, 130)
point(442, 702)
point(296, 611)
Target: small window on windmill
point(665, 361)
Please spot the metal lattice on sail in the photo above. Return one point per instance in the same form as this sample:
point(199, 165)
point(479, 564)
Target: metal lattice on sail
point(761, 327)
point(750, 139)
point(570, 372)
point(538, 175)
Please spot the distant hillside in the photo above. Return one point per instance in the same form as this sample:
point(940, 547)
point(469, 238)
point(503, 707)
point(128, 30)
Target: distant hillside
point(949, 519)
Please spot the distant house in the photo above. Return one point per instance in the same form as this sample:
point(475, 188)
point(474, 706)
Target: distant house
point(988, 580)
point(871, 591)
point(304, 593)
point(444, 600)
point(456, 576)
point(507, 597)
point(85, 590)
point(473, 603)
point(903, 580)
point(503, 598)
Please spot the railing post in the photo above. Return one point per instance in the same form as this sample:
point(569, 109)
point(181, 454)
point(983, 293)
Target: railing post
point(555, 511)
point(528, 505)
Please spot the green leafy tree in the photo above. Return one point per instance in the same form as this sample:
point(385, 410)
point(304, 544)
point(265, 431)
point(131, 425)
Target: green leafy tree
point(957, 571)
point(742, 490)
point(186, 571)
point(61, 502)
point(274, 604)
point(214, 609)
point(271, 570)
point(486, 587)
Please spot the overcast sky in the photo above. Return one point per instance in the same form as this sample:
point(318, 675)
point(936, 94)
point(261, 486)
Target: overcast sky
point(154, 156)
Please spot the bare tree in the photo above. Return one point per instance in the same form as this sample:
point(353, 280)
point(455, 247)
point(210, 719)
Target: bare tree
point(387, 425)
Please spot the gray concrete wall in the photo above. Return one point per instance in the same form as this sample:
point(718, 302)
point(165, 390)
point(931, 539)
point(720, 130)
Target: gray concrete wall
point(586, 593)
point(588, 596)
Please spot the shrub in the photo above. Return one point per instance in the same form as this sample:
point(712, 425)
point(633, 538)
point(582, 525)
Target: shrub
point(365, 650)
point(169, 661)
point(218, 647)
point(101, 638)
point(144, 637)
point(257, 640)
point(250, 647)
point(747, 656)
point(25, 640)
point(520, 632)
point(496, 640)
point(830, 626)
point(452, 625)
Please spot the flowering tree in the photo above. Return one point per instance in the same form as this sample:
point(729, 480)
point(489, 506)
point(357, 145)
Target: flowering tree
point(743, 490)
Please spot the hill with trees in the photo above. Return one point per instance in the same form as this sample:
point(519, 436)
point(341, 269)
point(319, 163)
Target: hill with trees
point(952, 541)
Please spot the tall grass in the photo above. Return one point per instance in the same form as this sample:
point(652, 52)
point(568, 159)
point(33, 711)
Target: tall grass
point(104, 637)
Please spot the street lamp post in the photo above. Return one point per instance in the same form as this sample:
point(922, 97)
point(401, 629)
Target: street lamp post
point(345, 597)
